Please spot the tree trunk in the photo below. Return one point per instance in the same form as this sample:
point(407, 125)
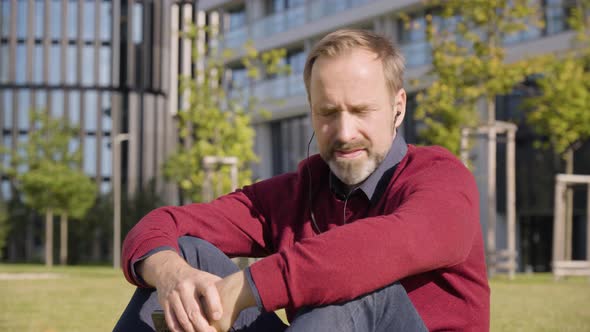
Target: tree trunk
point(49, 238)
point(569, 205)
point(63, 239)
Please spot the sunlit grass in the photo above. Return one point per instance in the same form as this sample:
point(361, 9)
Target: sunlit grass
point(89, 298)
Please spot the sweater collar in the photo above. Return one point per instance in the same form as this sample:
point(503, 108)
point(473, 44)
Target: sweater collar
point(374, 185)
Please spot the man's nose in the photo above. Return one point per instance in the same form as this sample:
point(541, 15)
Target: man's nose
point(346, 127)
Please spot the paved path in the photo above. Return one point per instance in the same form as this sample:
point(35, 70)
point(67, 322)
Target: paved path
point(29, 276)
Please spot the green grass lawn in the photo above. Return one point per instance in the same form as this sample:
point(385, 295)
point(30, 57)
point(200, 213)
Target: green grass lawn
point(92, 298)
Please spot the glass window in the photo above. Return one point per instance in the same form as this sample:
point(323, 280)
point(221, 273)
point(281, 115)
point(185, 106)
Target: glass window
point(38, 64)
point(4, 63)
point(106, 154)
point(104, 66)
point(556, 15)
point(89, 24)
point(106, 112)
point(74, 145)
point(39, 18)
point(57, 104)
point(71, 68)
point(413, 41)
point(4, 18)
point(137, 33)
point(88, 65)
point(237, 18)
point(6, 192)
point(7, 143)
point(41, 100)
point(6, 104)
point(90, 155)
point(21, 63)
point(54, 22)
point(22, 139)
point(106, 22)
point(24, 107)
point(296, 61)
point(74, 99)
point(73, 19)
point(54, 62)
point(90, 110)
point(21, 18)
point(105, 187)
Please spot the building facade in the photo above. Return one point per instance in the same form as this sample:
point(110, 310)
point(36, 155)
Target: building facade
point(282, 141)
point(98, 64)
point(113, 67)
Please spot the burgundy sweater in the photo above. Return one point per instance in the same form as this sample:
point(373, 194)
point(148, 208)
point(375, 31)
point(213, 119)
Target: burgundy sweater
point(424, 231)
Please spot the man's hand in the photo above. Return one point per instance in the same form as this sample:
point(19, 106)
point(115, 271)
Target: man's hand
point(189, 297)
point(236, 295)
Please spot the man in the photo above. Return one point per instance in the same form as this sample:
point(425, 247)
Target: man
point(372, 235)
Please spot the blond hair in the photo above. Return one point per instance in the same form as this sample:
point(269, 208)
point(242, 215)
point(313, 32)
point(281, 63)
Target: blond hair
point(344, 40)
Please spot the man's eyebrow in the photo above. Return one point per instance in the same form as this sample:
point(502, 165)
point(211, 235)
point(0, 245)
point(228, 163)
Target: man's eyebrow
point(363, 106)
point(328, 107)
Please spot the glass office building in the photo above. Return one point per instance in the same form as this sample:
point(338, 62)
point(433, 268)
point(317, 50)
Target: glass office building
point(102, 66)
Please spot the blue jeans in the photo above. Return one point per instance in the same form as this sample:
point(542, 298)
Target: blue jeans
point(387, 309)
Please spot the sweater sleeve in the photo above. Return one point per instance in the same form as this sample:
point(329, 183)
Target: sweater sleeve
point(231, 223)
point(432, 228)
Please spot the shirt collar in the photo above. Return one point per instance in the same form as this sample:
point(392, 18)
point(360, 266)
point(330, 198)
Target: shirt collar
point(379, 177)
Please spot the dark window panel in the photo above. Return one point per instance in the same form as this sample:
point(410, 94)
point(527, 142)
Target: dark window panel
point(72, 19)
point(74, 102)
point(24, 107)
point(4, 54)
point(106, 16)
point(71, 67)
point(39, 18)
point(104, 64)
point(6, 104)
point(54, 64)
point(90, 109)
point(38, 64)
point(54, 19)
point(89, 160)
point(57, 104)
point(88, 65)
point(21, 63)
point(21, 18)
point(4, 18)
point(89, 24)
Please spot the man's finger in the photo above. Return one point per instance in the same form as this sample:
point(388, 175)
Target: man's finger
point(181, 315)
point(194, 313)
point(171, 320)
point(212, 302)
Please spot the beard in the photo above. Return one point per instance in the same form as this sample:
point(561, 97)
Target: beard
point(356, 170)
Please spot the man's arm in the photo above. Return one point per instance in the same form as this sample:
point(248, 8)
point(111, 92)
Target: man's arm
point(232, 223)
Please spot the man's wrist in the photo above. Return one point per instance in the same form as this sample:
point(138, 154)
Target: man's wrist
point(154, 267)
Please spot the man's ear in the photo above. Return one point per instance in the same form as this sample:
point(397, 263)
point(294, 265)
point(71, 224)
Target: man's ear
point(399, 107)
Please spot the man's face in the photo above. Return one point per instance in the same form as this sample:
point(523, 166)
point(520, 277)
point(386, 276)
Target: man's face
point(353, 113)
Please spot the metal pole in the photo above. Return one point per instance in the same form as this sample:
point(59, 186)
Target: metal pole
point(117, 198)
point(511, 201)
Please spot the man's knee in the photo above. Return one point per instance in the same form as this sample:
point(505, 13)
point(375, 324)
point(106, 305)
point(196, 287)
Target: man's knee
point(204, 256)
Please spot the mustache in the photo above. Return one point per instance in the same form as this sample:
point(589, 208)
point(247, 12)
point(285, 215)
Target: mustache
point(347, 146)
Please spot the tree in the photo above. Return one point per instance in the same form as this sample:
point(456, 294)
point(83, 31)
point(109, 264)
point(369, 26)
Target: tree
point(218, 120)
point(51, 181)
point(561, 110)
point(3, 225)
point(468, 63)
